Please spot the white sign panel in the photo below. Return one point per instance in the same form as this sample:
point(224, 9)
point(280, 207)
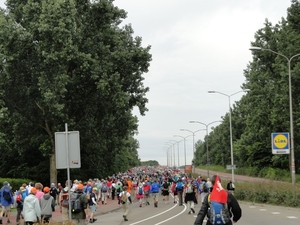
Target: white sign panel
point(73, 151)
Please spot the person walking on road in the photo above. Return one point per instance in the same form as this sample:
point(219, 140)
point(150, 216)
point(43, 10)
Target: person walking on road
point(230, 187)
point(79, 218)
point(147, 187)
point(47, 204)
point(31, 208)
point(179, 189)
point(233, 210)
point(189, 191)
point(125, 200)
point(154, 190)
point(20, 201)
point(6, 200)
point(93, 204)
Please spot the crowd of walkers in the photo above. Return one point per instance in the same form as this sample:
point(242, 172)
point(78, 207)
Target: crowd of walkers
point(143, 185)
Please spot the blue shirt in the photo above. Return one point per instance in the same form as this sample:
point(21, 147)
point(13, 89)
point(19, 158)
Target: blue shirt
point(3, 201)
point(154, 188)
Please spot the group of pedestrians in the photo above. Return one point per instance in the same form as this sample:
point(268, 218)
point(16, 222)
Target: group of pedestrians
point(34, 204)
point(145, 185)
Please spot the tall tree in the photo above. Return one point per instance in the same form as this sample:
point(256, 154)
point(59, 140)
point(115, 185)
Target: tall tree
point(69, 61)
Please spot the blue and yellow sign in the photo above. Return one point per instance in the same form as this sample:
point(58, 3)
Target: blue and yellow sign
point(280, 143)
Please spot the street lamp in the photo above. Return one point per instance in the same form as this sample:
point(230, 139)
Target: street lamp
point(167, 156)
point(230, 126)
point(291, 106)
point(170, 145)
point(206, 125)
point(177, 151)
point(184, 147)
point(173, 157)
point(193, 132)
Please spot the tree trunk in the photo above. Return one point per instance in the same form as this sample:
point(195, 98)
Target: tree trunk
point(53, 170)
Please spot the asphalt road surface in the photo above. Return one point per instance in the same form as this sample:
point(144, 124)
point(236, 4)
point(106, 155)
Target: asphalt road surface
point(172, 214)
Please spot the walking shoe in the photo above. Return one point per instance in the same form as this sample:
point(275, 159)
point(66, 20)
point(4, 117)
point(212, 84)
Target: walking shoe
point(94, 220)
point(91, 221)
point(0, 221)
point(140, 204)
point(125, 219)
point(8, 221)
point(193, 210)
point(148, 203)
point(155, 204)
point(189, 212)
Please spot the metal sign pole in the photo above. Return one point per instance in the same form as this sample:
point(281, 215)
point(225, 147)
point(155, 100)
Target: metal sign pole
point(68, 172)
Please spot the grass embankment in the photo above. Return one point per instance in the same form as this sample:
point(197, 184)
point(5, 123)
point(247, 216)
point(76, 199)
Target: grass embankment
point(271, 192)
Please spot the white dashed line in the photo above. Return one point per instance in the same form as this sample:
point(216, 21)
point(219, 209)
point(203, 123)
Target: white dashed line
point(291, 217)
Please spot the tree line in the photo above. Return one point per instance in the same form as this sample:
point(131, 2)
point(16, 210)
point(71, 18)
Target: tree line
point(69, 61)
point(265, 108)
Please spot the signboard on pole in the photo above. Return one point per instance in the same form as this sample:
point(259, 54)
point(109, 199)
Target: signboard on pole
point(64, 149)
point(229, 167)
point(280, 143)
point(188, 168)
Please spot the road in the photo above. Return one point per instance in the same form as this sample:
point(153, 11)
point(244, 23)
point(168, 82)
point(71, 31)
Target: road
point(172, 214)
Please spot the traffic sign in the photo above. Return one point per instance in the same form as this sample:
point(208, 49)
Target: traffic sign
point(280, 143)
point(229, 167)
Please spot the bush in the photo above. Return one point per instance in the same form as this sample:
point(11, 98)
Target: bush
point(273, 192)
point(14, 183)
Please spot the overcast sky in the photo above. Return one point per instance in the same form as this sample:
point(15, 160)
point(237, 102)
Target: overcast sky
point(197, 45)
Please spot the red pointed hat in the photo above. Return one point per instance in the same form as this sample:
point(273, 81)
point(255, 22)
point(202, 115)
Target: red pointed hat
point(218, 193)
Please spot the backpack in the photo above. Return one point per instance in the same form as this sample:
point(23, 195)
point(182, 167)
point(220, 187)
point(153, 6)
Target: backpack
point(104, 189)
point(65, 199)
point(19, 198)
point(123, 198)
point(204, 188)
point(179, 186)
point(218, 213)
point(76, 206)
point(6, 195)
point(140, 192)
point(166, 186)
point(189, 188)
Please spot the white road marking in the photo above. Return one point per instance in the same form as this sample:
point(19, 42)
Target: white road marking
point(275, 212)
point(263, 209)
point(156, 215)
point(172, 216)
point(252, 207)
point(291, 217)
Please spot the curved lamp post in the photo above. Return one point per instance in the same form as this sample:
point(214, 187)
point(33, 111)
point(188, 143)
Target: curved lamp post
point(230, 127)
point(206, 125)
point(291, 106)
point(184, 147)
point(193, 132)
point(170, 145)
point(177, 151)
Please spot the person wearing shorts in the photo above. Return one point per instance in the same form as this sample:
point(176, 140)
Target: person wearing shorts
point(6, 199)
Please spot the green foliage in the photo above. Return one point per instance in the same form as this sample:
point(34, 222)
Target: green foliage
point(277, 193)
point(69, 62)
point(150, 163)
point(15, 183)
point(265, 108)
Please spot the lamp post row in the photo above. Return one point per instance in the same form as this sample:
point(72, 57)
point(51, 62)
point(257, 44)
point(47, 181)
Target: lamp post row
point(292, 163)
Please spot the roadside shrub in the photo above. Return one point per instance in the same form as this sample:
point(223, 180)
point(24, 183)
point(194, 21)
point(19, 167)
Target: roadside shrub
point(273, 192)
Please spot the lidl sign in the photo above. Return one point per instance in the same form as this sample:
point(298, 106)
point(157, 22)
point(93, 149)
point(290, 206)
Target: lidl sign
point(280, 143)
